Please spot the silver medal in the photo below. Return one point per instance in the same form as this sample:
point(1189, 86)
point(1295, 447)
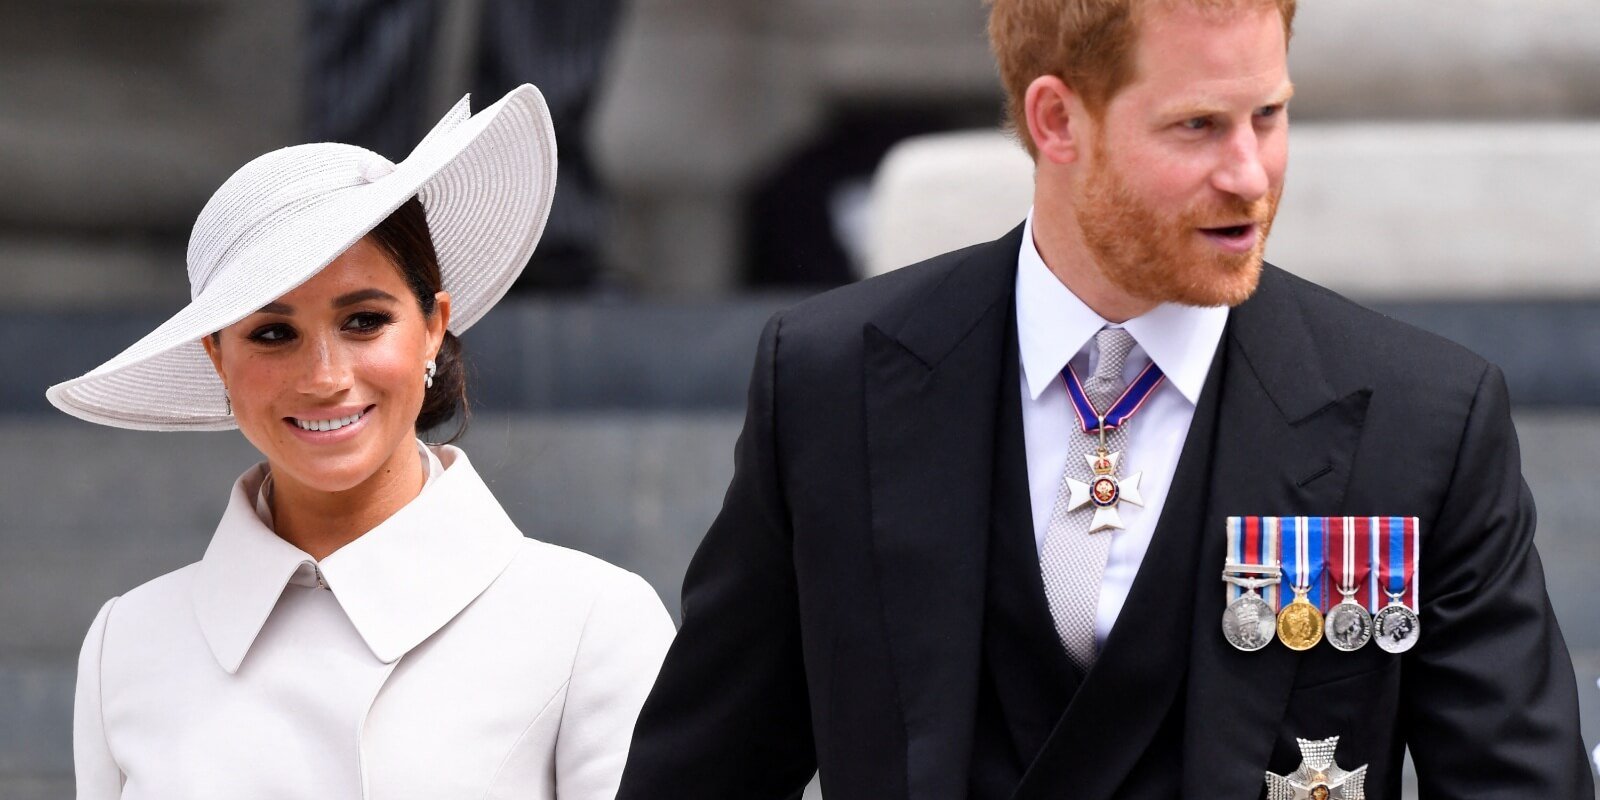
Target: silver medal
point(1348, 626)
point(1397, 627)
point(1248, 622)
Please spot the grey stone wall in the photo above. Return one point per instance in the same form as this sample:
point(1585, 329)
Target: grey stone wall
point(121, 116)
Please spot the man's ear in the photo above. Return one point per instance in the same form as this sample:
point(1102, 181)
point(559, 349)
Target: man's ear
point(1056, 119)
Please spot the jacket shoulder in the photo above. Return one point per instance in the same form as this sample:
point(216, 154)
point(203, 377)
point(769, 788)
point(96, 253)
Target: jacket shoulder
point(1367, 346)
point(157, 597)
point(160, 609)
point(883, 297)
point(829, 326)
point(544, 573)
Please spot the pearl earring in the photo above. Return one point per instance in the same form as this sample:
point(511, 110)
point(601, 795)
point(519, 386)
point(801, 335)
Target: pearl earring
point(428, 371)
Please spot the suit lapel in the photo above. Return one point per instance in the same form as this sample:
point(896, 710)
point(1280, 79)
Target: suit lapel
point(1033, 679)
point(931, 384)
point(1286, 441)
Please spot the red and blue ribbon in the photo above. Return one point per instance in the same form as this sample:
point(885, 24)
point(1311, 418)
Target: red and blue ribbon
point(1395, 549)
point(1248, 543)
point(1133, 398)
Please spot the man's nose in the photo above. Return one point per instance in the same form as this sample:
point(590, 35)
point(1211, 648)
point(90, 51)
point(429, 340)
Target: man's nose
point(1241, 172)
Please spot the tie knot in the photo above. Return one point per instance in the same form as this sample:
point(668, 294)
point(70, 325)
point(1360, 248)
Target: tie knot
point(1114, 345)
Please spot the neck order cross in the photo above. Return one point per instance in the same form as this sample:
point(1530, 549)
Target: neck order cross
point(1105, 490)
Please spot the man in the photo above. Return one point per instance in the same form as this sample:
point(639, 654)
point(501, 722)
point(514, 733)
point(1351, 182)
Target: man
point(908, 587)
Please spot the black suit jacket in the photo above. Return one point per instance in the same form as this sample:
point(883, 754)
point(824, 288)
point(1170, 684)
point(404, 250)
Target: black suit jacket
point(833, 617)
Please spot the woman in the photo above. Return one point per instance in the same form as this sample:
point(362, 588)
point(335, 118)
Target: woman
point(366, 622)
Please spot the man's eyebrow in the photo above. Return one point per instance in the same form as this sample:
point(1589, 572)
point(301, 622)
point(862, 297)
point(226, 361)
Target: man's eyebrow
point(360, 295)
point(1205, 106)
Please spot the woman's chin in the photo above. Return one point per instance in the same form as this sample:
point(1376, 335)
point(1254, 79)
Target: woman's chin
point(330, 472)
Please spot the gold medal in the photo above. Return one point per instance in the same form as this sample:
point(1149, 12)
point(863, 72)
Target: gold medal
point(1300, 623)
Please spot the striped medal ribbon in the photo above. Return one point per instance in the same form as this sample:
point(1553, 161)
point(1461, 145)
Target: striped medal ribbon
point(1395, 553)
point(1249, 619)
point(1348, 625)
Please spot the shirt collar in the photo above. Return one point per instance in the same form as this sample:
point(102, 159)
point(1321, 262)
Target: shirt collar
point(1053, 325)
point(398, 583)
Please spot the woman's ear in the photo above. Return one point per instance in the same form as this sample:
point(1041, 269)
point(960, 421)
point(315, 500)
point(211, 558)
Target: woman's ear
point(1056, 119)
point(438, 321)
point(213, 347)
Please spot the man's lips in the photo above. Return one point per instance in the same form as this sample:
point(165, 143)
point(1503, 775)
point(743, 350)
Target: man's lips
point(1233, 238)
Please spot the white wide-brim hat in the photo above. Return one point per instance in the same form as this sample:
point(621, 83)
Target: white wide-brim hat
point(486, 182)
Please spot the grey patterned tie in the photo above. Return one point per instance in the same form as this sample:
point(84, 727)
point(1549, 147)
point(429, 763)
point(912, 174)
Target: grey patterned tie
point(1074, 560)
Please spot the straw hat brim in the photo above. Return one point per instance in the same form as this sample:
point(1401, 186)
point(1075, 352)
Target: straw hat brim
point(486, 182)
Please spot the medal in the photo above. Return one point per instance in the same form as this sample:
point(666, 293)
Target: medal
point(1248, 620)
point(1105, 490)
point(1348, 626)
point(1300, 623)
point(1319, 777)
point(1397, 626)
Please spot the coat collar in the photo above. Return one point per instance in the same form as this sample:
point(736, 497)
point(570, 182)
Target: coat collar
point(399, 583)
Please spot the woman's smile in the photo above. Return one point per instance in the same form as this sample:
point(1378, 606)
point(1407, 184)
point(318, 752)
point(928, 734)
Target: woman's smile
point(327, 426)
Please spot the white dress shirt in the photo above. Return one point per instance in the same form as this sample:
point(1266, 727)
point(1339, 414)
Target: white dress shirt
point(1054, 328)
point(439, 655)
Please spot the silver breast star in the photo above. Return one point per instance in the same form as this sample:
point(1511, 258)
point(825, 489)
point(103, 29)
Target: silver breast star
point(1318, 777)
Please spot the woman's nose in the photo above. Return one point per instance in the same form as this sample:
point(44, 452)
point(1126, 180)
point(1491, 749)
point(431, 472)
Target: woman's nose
point(327, 371)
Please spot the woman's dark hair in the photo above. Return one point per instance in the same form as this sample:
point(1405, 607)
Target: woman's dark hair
point(404, 237)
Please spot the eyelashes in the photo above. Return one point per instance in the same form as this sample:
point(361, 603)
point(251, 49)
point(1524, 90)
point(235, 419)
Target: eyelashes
point(362, 323)
point(368, 321)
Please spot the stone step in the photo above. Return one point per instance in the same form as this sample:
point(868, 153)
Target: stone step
point(126, 116)
point(1376, 211)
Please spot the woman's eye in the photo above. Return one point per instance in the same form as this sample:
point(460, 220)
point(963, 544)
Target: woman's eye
point(367, 321)
point(272, 334)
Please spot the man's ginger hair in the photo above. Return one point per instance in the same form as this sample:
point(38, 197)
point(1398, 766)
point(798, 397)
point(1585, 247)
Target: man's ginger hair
point(1089, 44)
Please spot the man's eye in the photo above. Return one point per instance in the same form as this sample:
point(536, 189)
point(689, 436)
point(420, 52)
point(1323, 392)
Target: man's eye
point(1269, 111)
point(1197, 123)
point(367, 321)
point(272, 334)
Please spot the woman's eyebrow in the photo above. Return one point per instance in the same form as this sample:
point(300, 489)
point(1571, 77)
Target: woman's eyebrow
point(360, 295)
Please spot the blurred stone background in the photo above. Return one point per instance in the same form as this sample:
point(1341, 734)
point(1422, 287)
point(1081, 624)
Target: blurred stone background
point(1444, 159)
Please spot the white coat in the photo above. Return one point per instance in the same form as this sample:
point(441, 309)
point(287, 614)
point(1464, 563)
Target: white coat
point(442, 655)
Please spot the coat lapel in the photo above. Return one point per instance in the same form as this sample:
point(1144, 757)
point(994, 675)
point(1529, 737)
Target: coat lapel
point(932, 381)
point(1286, 441)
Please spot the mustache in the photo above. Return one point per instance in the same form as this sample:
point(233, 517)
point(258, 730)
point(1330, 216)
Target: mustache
point(1231, 212)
